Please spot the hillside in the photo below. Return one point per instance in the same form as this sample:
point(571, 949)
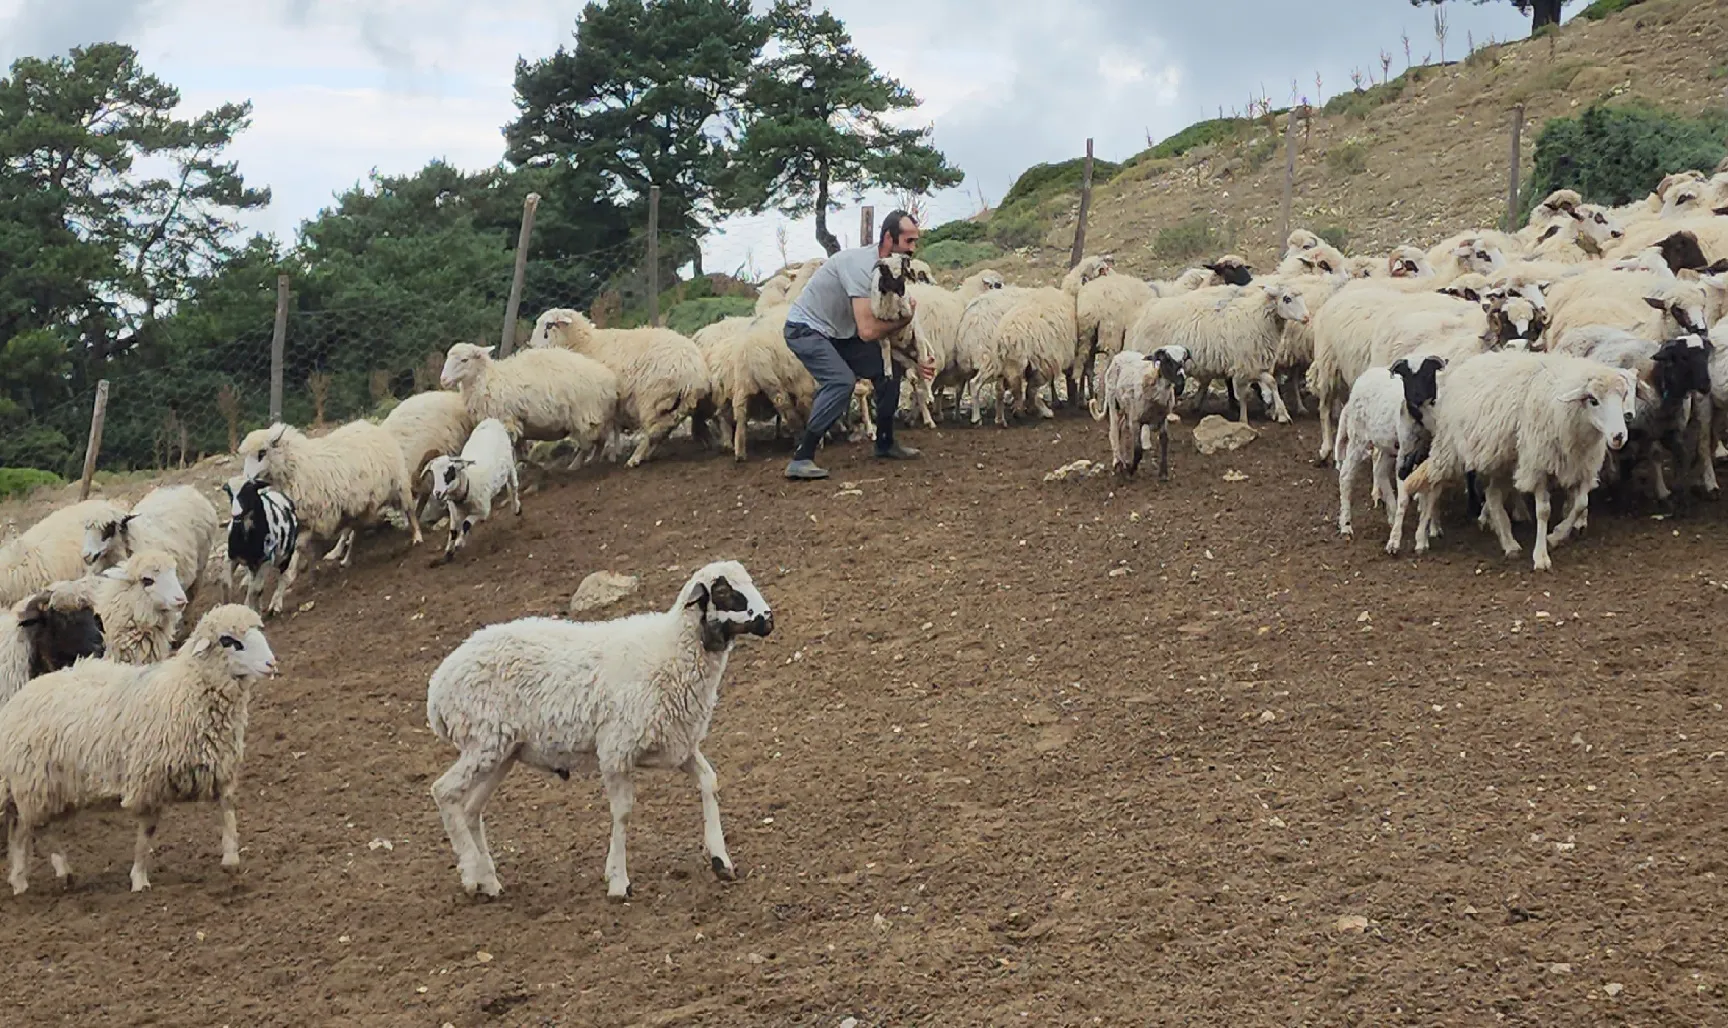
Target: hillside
point(1408, 162)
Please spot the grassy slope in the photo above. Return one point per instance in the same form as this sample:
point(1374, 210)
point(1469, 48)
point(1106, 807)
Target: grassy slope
point(1435, 157)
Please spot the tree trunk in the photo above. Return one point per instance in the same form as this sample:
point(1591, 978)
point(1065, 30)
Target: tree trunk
point(823, 236)
point(1544, 12)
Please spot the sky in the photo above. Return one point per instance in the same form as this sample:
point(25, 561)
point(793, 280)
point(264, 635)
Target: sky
point(342, 87)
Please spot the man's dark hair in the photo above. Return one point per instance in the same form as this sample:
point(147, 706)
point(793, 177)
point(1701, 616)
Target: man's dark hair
point(893, 224)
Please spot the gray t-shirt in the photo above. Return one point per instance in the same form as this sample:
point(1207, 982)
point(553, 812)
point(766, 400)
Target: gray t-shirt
point(826, 302)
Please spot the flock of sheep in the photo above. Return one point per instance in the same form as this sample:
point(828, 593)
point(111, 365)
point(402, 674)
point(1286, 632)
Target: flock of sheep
point(1572, 353)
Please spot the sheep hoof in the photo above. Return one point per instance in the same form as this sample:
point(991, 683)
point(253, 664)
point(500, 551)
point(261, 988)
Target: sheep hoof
point(19, 886)
point(140, 882)
point(1322, 462)
point(624, 894)
point(1347, 531)
point(722, 870)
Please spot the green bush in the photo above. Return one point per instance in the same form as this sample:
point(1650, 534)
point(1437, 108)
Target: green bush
point(1348, 158)
point(1603, 8)
point(1335, 236)
point(1042, 181)
point(952, 253)
point(1021, 225)
point(1201, 133)
point(1359, 102)
point(1187, 239)
point(957, 231)
point(1257, 153)
point(1614, 155)
point(692, 316)
point(19, 481)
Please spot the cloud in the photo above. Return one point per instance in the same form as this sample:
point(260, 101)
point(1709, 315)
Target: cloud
point(42, 28)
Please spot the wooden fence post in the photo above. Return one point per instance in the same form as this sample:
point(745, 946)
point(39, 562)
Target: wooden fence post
point(94, 446)
point(1085, 206)
point(1289, 182)
point(866, 226)
point(1512, 170)
point(653, 255)
point(507, 340)
point(278, 347)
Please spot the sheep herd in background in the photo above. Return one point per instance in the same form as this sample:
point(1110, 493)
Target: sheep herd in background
point(1573, 353)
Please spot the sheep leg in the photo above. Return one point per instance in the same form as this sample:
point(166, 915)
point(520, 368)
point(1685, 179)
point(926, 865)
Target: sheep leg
point(230, 826)
point(147, 822)
point(1396, 512)
point(713, 839)
point(1385, 487)
point(450, 792)
point(474, 807)
point(1269, 386)
point(740, 424)
point(458, 531)
point(1704, 417)
point(1543, 510)
point(515, 484)
point(621, 794)
point(337, 552)
point(1323, 401)
point(1576, 512)
point(1242, 384)
point(18, 846)
point(1163, 449)
point(283, 581)
point(1354, 458)
point(1494, 505)
point(656, 430)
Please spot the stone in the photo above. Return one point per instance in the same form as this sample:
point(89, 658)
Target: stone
point(1215, 433)
point(602, 588)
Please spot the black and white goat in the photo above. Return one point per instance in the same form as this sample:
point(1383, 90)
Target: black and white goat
point(262, 533)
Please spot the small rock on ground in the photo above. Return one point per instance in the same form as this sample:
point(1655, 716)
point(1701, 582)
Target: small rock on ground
point(602, 588)
point(1216, 433)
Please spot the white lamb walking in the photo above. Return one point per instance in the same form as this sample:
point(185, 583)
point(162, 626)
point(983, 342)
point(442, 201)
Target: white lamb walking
point(559, 695)
point(99, 732)
point(467, 484)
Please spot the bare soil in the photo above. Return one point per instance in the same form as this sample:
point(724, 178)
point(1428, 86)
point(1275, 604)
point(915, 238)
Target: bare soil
point(1017, 753)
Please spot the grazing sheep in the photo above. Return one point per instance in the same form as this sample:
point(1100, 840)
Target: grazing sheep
point(1523, 421)
point(101, 732)
point(558, 695)
point(1141, 390)
point(543, 394)
point(44, 633)
point(51, 550)
point(176, 519)
point(661, 376)
point(262, 532)
point(337, 481)
point(1385, 420)
point(426, 425)
point(467, 484)
point(1228, 332)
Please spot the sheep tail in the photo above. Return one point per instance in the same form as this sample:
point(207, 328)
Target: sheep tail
point(1096, 406)
point(1419, 477)
point(1340, 442)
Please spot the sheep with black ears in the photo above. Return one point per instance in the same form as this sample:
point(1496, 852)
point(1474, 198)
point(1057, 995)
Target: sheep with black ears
point(147, 737)
point(1384, 421)
point(51, 550)
point(466, 484)
point(637, 691)
point(1140, 390)
point(44, 633)
point(426, 425)
point(176, 519)
point(543, 394)
point(1643, 303)
point(263, 532)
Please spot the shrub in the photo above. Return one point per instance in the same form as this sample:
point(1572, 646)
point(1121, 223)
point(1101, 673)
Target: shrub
point(1187, 239)
point(952, 253)
point(1614, 155)
point(1042, 181)
point(1603, 8)
point(1359, 102)
point(19, 481)
point(691, 316)
point(1348, 158)
point(1201, 133)
point(1335, 236)
point(958, 231)
point(1257, 153)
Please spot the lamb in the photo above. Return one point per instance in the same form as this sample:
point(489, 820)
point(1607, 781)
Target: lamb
point(1141, 390)
point(633, 692)
point(44, 633)
point(147, 737)
point(541, 393)
point(175, 519)
point(1640, 302)
point(901, 349)
point(51, 550)
point(337, 481)
point(661, 376)
point(468, 483)
point(1527, 421)
point(138, 605)
point(426, 425)
point(262, 532)
point(1229, 332)
point(1386, 419)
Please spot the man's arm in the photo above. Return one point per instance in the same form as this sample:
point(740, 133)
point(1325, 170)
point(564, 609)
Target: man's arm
point(870, 327)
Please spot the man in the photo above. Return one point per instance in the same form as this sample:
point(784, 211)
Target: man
point(831, 330)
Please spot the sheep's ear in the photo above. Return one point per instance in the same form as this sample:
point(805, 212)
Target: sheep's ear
point(114, 572)
point(1400, 367)
point(1270, 290)
point(1210, 267)
point(699, 598)
point(1577, 215)
point(199, 647)
point(281, 430)
point(488, 350)
point(1723, 211)
point(1656, 302)
point(1553, 230)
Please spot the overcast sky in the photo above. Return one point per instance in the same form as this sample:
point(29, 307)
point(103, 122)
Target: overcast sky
point(344, 86)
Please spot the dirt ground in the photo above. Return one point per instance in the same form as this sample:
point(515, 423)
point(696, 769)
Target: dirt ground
point(1017, 753)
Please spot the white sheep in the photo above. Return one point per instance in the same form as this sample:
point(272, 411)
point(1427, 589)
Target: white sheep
point(1526, 421)
point(466, 484)
point(1141, 390)
point(46, 632)
point(1643, 303)
point(786, 285)
point(51, 550)
point(337, 481)
point(975, 345)
point(1228, 332)
point(556, 695)
point(936, 323)
point(763, 373)
point(1034, 342)
point(175, 519)
point(426, 425)
point(661, 376)
point(139, 604)
point(542, 394)
point(1103, 310)
point(1385, 421)
point(147, 737)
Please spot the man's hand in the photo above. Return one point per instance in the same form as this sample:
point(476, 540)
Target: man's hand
point(927, 368)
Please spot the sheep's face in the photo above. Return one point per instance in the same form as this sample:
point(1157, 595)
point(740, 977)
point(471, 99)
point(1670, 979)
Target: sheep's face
point(1231, 270)
point(463, 364)
point(1689, 316)
point(1514, 321)
point(891, 274)
point(57, 636)
point(263, 452)
point(247, 652)
point(1421, 384)
point(1683, 366)
point(155, 576)
point(1607, 401)
point(1289, 304)
point(1408, 262)
point(446, 473)
point(549, 323)
point(105, 542)
point(920, 272)
point(1302, 239)
point(728, 605)
point(1683, 200)
point(993, 280)
point(1596, 224)
point(1479, 257)
point(1171, 363)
